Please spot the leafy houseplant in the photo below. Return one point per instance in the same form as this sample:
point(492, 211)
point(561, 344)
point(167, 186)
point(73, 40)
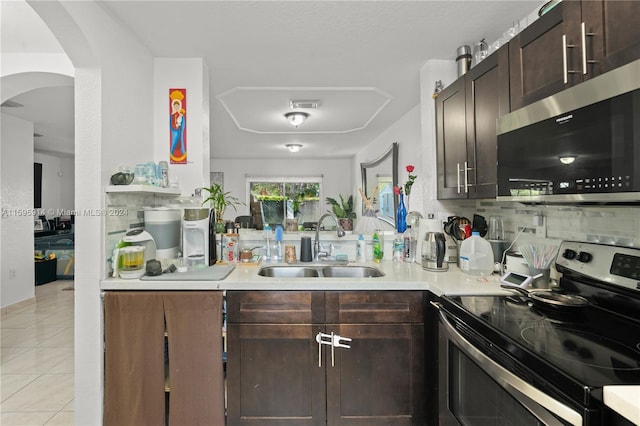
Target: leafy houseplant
point(220, 200)
point(343, 211)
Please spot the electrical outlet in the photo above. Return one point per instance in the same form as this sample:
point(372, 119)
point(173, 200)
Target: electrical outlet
point(538, 227)
point(12, 274)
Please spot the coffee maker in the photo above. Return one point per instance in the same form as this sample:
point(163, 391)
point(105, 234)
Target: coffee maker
point(198, 236)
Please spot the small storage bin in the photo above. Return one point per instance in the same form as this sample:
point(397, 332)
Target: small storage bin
point(45, 271)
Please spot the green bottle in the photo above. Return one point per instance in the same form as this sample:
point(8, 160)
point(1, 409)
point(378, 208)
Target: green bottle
point(378, 251)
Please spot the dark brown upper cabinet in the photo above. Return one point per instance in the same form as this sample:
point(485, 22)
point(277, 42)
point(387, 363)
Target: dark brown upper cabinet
point(575, 41)
point(466, 114)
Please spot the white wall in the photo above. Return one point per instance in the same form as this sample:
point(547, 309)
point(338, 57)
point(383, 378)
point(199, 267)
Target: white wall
point(113, 125)
point(337, 175)
point(191, 74)
point(405, 131)
point(58, 190)
point(16, 226)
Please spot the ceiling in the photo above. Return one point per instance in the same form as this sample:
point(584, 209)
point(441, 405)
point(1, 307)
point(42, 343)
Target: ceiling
point(359, 59)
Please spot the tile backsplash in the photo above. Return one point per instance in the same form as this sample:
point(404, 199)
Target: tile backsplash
point(619, 225)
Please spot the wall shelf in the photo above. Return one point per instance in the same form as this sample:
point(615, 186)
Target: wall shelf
point(141, 189)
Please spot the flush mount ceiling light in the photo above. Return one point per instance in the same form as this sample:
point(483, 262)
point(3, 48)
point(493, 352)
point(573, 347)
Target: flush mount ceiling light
point(567, 159)
point(296, 118)
point(293, 147)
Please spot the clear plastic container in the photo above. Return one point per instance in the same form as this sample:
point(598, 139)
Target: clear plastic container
point(398, 248)
point(476, 256)
point(410, 245)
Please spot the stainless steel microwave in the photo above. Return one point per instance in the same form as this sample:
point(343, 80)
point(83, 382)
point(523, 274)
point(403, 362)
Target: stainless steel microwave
point(581, 145)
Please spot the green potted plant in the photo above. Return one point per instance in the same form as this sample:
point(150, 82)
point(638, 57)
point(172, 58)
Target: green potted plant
point(220, 200)
point(343, 211)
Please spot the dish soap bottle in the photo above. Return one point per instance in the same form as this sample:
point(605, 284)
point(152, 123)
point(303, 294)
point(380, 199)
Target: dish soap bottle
point(361, 247)
point(279, 237)
point(476, 255)
point(378, 247)
point(267, 238)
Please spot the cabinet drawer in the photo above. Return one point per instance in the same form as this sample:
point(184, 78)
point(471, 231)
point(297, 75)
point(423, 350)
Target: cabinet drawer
point(275, 307)
point(374, 307)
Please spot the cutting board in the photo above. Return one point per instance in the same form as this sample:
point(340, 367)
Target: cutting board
point(211, 273)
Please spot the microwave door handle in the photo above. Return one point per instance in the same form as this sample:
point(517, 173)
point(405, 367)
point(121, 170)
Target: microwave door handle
point(539, 403)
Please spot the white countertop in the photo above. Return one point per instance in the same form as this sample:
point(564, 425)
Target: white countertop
point(398, 276)
point(625, 400)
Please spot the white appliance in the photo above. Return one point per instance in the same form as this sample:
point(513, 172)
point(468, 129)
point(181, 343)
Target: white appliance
point(140, 237)
point(128, 262)
point(163, 224)
point(195, 236)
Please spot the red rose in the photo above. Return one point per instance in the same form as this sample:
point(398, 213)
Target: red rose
point(396, 190)
point(410, 168)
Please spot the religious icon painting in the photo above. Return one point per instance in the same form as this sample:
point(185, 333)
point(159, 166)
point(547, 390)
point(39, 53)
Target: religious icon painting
point(178, 126)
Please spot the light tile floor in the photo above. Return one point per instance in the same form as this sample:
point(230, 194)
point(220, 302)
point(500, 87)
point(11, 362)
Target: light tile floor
point(36, 359)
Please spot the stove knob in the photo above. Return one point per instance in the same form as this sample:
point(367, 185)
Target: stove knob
point(569, 254)
point(584, 257)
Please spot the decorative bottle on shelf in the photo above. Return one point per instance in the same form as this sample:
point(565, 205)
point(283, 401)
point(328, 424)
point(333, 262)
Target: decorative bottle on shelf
point(401, 216)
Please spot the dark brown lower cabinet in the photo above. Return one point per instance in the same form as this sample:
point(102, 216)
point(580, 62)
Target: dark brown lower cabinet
point(278, 374)
point(163, 358)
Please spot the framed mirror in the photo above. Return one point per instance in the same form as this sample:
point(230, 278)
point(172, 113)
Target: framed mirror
point(382, 173)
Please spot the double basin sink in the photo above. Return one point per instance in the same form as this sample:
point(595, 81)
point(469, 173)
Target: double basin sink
point(320, 271)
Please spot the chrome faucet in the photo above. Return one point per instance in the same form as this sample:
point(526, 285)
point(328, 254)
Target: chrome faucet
point(318, 251)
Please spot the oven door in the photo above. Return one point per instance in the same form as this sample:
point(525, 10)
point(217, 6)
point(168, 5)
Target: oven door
point(476, 390)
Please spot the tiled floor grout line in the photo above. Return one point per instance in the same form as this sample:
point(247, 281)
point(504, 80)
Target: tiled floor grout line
point(36, 367)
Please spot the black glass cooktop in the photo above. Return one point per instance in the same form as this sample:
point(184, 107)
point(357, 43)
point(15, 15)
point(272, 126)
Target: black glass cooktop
point(575, 350)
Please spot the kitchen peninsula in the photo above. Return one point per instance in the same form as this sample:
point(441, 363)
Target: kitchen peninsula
point(300, 349)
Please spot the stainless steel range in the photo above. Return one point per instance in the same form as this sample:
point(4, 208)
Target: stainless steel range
point(504, 360)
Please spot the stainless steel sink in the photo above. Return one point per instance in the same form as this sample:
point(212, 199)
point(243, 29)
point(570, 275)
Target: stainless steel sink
point(288, 271)
point(320, 271)
point(351, 272)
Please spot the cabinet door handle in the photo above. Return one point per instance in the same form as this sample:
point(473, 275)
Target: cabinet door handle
point(585, 61)
point(584, 48)
point(565, 70)
point(466, 178)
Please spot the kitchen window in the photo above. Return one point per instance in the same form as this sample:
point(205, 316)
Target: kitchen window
point(287, 198)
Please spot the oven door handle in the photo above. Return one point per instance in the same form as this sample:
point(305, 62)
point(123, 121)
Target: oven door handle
point(537, 402)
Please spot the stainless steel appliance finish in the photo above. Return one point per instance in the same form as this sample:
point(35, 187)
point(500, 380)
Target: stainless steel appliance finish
point(577, 146)
point(533, 364)
point(434, 249)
